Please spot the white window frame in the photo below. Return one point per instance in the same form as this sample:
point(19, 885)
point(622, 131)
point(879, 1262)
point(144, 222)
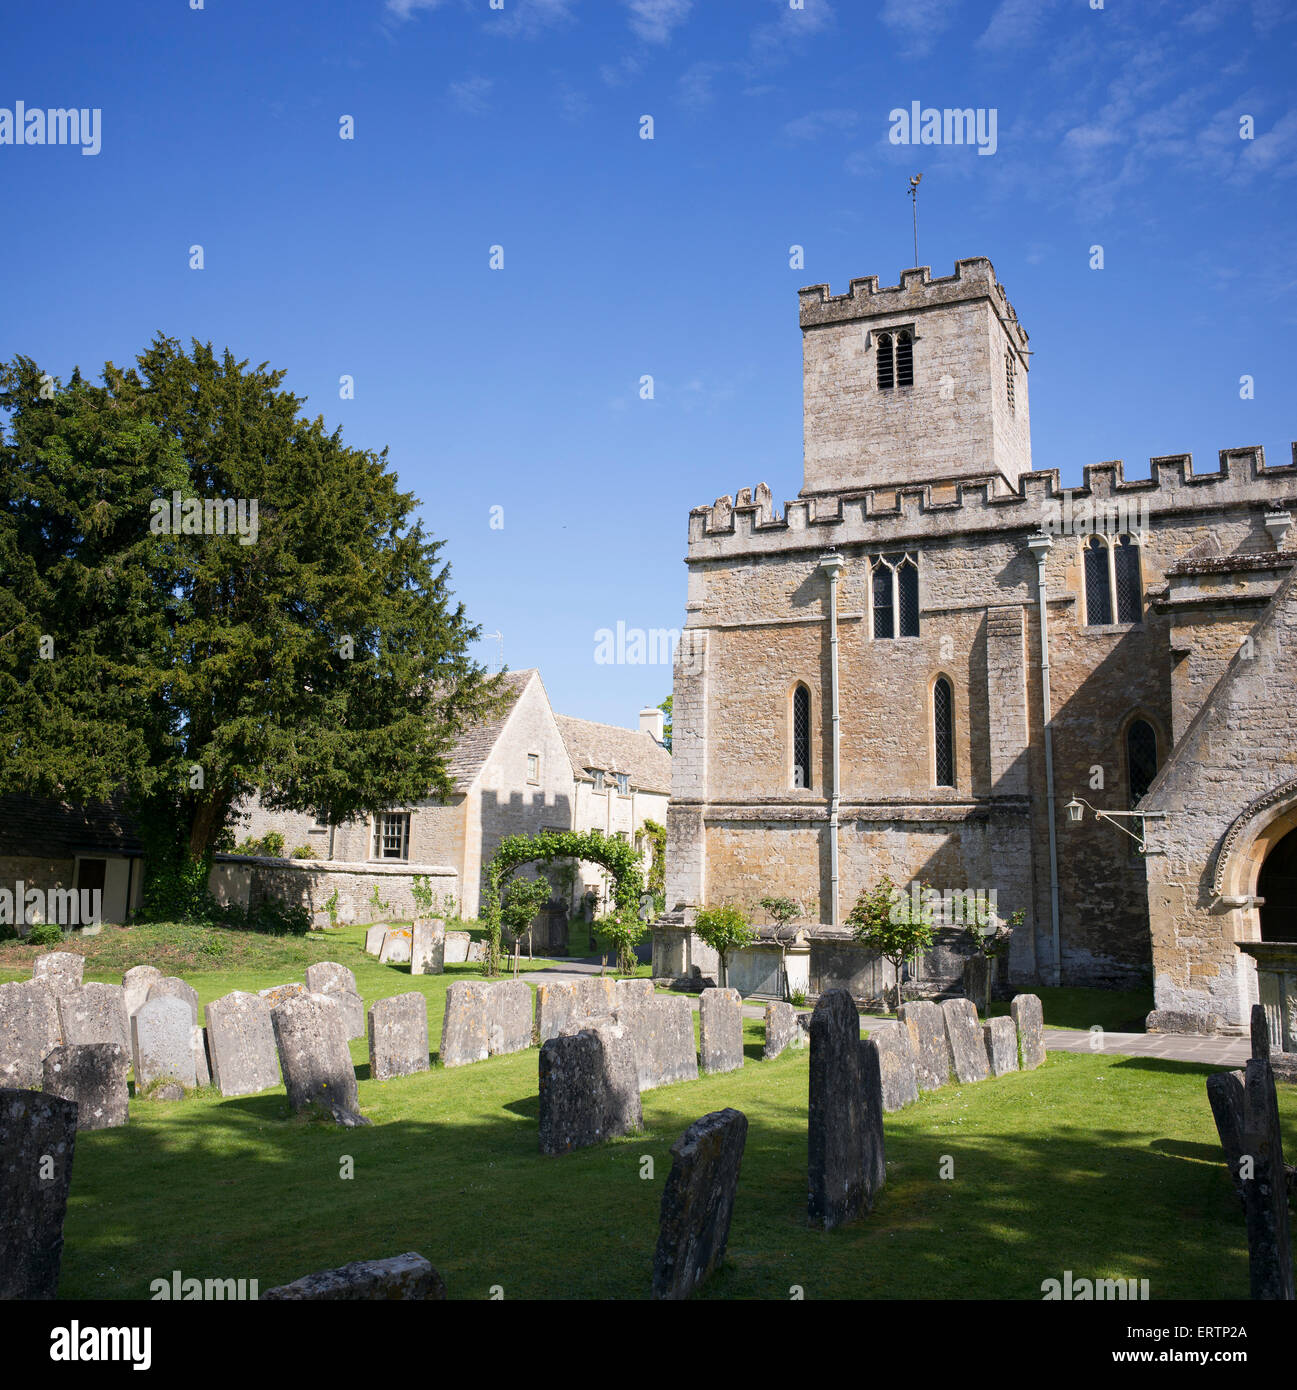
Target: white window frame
point(623, 783)
point(378, 837)
point(533, 776)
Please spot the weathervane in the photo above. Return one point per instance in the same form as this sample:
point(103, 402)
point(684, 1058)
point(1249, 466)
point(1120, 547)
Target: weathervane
point(914, 199)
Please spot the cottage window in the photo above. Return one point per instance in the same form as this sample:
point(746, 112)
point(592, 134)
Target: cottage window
point(623, 784)
point(598, 779)
point(801, 737)
point(392, 835)
point(943, 732)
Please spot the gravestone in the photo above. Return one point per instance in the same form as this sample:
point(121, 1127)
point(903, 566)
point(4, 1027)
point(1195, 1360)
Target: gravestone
point(136, 983)
point(871, 1085)
point(509, 1021)
point(328, 977)
point(662, 1033)
point(1225, 1095)
point(374, 940)
point(628, 996)
point(926, 1025)
point(314, 1057)
point(29, 1032)
point(900, 1087)
point(95, 1013)
point(241, 1044)
point(845, 1115)
point(162, 1044)
point(1001, 1035)
point(720, 1031)
point(589, 1091)
point(457, 943)
point(1265, 1192)
point(428, 948)
point(396, 948)
point(966, 1041)
point(276, 994)
point(1260, 1033)
point(38, 1134)
point(398, 1036)
point(977, 974)
point(465, 1025)
point(782, 1030)
point(404, 1278)
point(173, 987)
point(61, 970)
point(476, 952)
point(563, 1003)
point(94, 1076)
point(698, 1202)
point(1029, 1018)
point(202, 1058)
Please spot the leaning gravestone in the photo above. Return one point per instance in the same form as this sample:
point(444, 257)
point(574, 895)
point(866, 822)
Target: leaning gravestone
point(720, 1031)
point(662, 1032)
point(842, 1146)
point(38, 1135)
point(509, 1020)
point(162, 1044)
point(407, 1278)
point(95, 1013)
point(29, 1031)
point(782, 1030)
point(896, 1066)
point(314, 1057)
point(966, 1041)
point(94, 1076)
point(396, 948)
point(61, 970)
point(398, 1036)
point(698, 1202)
point(241, 1043)
point(173, 987)
point(1029, 1018)
point(328, 977)
point(465, 1027)
point(1001, 1036)
point(927, 1028)
point(1225, 1096)
point(202, 1058)
point(136, 983)
point(427, 947)
point(276, 994)
point(1265, 1192)
point(374, 940)
point(589, 1091)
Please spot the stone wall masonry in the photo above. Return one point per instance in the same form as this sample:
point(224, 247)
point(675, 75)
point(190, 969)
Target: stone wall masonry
point(94, 1076)
point(34, 1127)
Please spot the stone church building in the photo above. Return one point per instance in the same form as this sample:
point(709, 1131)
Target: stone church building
point(937, 658)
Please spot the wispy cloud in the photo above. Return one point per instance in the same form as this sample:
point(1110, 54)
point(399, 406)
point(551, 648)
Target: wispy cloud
point(694, 85)
point(791, 27)
point(1017, 23)
point(653, 20)
point(918, 24)
point(816, 123)
point(528, 18)
point(471, 95)
point(405, 9)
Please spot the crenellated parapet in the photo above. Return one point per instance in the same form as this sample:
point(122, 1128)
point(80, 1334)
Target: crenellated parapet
point(908, 512)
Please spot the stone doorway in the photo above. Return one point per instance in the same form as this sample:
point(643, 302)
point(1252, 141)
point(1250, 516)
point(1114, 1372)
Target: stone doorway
point(1277, 886)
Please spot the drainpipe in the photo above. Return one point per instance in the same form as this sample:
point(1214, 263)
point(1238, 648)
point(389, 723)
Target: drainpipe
point(1040, 547)
point(831, 563)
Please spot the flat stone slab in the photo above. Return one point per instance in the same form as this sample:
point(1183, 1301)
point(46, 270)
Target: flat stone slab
point(241, 1044)
point(427, 948)
point(29, 1032)
point(900, 1086)
point(162, 1044)
point(374, 940)
point(38, 1135)
point(662, 1033)
point(313, 1055)
point(398, 1036)
point(720, 1031)
point(136, 983)
point(407, 1278)
point(173, 987)
point(589, 1089)
point(1001, 1035)
point(698, 1202)
point(783, 1030)
point(966, 1041)
point(1029, 1017)
point(396, 948)
point(927, 1027)
point(94, 1076)
point(61, 970)
point(844, 1119)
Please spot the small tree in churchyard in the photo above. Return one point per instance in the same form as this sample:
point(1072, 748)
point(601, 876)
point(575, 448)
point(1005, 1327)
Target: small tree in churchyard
point(990, 939)
point(624, 929)
point(784, 912)
point(523, 899)
point(421, 892)
point(724, 929)
point(893, 924)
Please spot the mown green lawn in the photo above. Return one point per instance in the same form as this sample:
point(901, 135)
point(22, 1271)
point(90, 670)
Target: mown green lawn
point(1107, 1166)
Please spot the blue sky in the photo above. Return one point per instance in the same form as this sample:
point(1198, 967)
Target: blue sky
point(519, 127)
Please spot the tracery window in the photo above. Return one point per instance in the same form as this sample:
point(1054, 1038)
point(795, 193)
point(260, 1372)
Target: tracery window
point(895, 582)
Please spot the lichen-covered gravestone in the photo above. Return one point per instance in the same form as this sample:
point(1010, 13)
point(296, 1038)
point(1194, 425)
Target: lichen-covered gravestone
point(162, 1044)
point(173, 987)
point(896, 1066)
point(720, 1029)
point(782, 1030)
point(1001, 1044)
point(136, 983)
point(509, 1017)
point(93, 1075)
point(662, 1032)
point(1265, 1187)
point(457, 944)
point(398, 1036)
point(698, 1202)
point(465, 1035)
point(276, 994)
point(61, 970)
point(396, 948)
point(328, 977)
point(37, 1140)
point(407, 1278)
point(589, 1090)
point(427, 947)
point(95, 1013)
point(29, 1032)
point(314, 1057)
point(966, 1041)
point(241, 1044)
point(1029, 1018)
point(565, 1002)
point(927, 1029)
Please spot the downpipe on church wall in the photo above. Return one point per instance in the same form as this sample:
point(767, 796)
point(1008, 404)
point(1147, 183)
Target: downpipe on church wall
point(832, 563)
point(1041, 545)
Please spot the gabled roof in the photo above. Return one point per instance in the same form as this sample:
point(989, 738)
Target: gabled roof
point(54, 829)
point(475, 744)
point(610, 748)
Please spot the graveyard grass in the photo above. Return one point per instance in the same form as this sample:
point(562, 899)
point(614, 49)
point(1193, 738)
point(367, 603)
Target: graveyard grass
point(1105, 1165)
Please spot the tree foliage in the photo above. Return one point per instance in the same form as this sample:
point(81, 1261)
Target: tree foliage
point(884, 920)
point(724, 929)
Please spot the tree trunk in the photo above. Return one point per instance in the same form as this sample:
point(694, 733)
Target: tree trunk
point(207, 822)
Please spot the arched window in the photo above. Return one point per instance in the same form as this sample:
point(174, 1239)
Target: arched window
point(896, 595)
point(943, 732)
point(1125, 563)
point(886, 373)
point(801, 737)
point(1008, 377)
point(907, 598)
point(904, 359)
point(1098, 583)
point(883, 623)
point(1141, 759)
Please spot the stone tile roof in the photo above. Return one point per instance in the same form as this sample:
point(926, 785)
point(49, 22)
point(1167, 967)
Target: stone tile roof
point(55, 829)
point(613, 749)
point(475, 744)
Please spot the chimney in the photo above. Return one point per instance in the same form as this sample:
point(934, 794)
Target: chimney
point(651, 722)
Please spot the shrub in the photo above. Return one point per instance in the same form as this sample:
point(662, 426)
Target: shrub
point(303, 852)
point(277, 918)
point(884, 920)
point(45, 934)
point(724, 929)
point(421, 892)
point(331, 907)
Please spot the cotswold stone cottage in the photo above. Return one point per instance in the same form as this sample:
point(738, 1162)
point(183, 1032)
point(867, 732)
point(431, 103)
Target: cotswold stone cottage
point(935, 649)
point(523, 771)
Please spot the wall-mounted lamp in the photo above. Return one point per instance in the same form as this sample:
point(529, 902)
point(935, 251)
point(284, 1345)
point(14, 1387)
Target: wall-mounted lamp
point(1076, 811)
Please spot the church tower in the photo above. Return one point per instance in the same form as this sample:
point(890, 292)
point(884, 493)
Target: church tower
point(921, 382)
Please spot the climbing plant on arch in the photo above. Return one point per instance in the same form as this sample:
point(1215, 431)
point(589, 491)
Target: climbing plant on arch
point(617, 856)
